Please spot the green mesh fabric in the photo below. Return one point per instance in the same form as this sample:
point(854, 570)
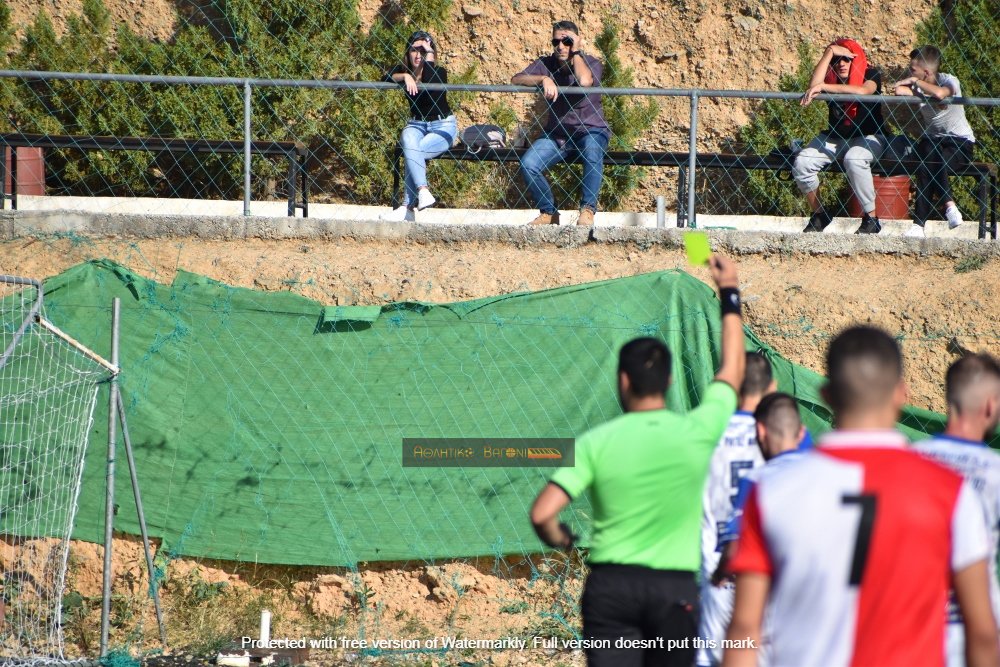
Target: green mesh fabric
point(268, 427)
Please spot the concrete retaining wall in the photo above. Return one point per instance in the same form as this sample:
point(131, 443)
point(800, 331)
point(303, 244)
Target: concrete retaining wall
point(26, 224)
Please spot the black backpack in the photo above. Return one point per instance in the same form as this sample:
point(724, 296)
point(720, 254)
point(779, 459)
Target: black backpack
point(478, 137)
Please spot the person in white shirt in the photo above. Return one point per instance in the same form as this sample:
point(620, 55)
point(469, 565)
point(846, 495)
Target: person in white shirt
point(972, 387)
point(736, 455)
point(780, 434)
point(947, 141)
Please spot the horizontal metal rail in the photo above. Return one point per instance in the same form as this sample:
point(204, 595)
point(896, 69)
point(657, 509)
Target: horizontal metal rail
point(340, 84)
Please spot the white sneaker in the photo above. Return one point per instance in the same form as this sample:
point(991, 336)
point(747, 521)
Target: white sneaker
point(954, 216)
point(425, 199)
point(914, 232)
point(401, 214)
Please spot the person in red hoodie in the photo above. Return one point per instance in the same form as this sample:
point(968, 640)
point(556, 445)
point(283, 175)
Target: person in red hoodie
point(855, 137)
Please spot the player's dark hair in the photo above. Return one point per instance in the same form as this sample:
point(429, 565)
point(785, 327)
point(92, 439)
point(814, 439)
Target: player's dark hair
point(758, 375)
point(927, 54)
point(565, 25)
point(863, 367)
point(646, 362)
point(779, 413)
point(966, 374)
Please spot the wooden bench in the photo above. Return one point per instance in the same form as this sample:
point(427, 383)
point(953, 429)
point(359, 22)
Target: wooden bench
point(987, 187)
point(294, 152)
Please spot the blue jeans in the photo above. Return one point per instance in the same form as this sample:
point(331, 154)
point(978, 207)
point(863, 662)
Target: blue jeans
point(421, 141)
point(546, 152)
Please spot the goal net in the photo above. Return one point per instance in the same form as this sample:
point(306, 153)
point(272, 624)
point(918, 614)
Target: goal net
point(48, 390)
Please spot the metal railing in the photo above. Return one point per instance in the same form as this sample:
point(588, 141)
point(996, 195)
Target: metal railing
point(338, 107)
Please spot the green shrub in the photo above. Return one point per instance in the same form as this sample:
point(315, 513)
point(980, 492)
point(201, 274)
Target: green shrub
point(628, 118)
point(350, 132)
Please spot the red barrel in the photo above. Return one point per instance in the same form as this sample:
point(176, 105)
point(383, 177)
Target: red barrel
point(30, 171)
point(892, 199)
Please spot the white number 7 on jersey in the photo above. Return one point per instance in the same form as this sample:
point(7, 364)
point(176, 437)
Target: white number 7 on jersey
point(863, 541)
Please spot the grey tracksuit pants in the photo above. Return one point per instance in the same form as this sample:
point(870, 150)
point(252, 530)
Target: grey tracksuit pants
point(856, 155)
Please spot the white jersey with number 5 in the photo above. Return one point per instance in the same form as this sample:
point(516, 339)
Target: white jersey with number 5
point(736, 455)
point(980, 466)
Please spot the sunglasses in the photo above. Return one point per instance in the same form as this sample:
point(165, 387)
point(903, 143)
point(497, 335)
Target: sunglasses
point(836, 60)
point(565, 41)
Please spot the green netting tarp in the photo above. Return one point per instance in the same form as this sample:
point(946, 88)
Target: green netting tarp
point(268, 427)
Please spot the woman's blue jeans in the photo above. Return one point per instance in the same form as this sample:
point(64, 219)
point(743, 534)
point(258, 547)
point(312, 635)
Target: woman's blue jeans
point(422, 140)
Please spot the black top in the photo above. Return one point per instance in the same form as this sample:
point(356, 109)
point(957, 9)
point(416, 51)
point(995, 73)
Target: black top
point(867, 120)
point(427, 104)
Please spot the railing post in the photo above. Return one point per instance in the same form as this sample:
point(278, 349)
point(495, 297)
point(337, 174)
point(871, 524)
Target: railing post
point(246, 147)
point(692, 159)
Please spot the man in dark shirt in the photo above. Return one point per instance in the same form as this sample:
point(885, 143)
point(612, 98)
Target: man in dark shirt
point(575, 125)
point(855, 136)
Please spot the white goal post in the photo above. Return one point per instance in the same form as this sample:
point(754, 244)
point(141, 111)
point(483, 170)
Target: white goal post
point(48, 391)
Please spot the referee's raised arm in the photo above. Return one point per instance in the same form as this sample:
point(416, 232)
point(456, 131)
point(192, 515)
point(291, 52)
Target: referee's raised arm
point(733, 348)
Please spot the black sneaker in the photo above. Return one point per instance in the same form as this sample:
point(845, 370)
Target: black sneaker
point(818, 221)
point(869, 225)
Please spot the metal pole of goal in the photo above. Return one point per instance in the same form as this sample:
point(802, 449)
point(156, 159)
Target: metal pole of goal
point(109, 510)
point(142, 519)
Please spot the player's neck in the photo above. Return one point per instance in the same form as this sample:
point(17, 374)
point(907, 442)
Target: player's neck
point(963, 430)
point(867, 420)
point(750, 403)
point(784, 448)
point(645, 404)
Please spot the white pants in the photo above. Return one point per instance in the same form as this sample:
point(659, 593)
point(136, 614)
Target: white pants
point(954, 638)
point(856, 155)
point(716, 612)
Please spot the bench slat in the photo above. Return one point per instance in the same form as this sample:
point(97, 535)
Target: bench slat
point(774, 161)
point(985, 173)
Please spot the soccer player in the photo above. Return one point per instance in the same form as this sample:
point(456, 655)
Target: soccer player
point(736, 454)
point(972, 388)
point(780, 436)
point(853, 548)
point(645, 471)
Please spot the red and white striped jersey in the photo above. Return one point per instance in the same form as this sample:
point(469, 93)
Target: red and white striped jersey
point(860, 539)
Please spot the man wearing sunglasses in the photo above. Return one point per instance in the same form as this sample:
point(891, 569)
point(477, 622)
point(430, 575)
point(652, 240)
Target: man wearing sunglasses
point(575, 126)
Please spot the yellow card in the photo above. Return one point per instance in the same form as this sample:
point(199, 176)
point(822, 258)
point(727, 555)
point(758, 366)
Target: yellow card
point(698, 248)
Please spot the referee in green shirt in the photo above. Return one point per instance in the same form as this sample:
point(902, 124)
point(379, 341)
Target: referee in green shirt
point(645, 471)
